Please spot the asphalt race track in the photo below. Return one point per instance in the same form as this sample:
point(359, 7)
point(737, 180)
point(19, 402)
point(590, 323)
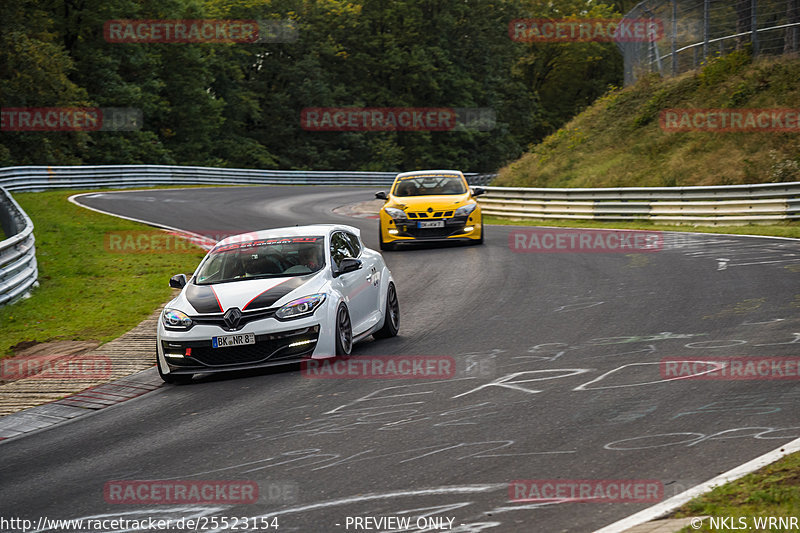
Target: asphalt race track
point(558, 358)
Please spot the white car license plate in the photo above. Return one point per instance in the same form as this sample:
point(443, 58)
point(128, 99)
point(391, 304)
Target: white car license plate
point(223, 341)
point(430, 224)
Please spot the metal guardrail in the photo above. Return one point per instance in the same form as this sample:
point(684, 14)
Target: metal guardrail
point(18, 270)
point(726, 204)
point(43, 178)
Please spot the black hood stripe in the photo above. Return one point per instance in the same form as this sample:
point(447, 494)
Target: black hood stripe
point(270, 296)
point(203, 298)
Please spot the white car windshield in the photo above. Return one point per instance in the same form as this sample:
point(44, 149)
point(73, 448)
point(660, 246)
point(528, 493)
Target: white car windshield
point(262, 258)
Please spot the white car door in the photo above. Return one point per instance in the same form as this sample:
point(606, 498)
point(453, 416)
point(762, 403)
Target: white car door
point(355, 286)
point(372, 273)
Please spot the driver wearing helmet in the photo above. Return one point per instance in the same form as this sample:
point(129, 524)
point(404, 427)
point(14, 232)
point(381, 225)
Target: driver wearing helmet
point(309, 256)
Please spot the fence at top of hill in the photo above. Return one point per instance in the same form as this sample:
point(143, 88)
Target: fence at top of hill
point(692, 31)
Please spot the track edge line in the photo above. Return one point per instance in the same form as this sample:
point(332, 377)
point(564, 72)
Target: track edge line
point(669, 505)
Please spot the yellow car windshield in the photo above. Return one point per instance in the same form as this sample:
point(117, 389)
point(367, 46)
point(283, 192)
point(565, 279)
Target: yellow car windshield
point(430, 184)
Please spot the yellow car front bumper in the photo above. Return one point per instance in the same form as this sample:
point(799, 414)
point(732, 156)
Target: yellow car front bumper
point(451, 228)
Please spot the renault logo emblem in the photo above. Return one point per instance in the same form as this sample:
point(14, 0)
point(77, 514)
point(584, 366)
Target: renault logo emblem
point(232, 317)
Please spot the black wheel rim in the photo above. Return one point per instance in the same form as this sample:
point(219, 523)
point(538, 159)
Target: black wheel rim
point(345, 333)
point(394, 307)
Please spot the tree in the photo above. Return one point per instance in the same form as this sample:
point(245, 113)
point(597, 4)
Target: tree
point(35, 72)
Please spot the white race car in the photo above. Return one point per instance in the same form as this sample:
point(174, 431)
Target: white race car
point(275, 297)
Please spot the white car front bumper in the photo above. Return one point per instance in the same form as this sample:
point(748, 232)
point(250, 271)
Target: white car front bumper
point(276, 342)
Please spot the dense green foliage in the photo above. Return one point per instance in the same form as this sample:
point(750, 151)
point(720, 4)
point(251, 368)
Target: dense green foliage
point(239, 104)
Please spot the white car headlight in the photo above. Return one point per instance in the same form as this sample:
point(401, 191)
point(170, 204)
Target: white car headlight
point(465, 210)
point(397, 214)
point(174, 319)
point(301, 307)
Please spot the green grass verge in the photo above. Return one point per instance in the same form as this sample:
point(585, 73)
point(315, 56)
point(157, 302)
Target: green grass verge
point(787, 229)
point(618, 141)
point(86, 292)
point(772, 491)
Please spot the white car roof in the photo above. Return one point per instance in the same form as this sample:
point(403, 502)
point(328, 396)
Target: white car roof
point(290, 231)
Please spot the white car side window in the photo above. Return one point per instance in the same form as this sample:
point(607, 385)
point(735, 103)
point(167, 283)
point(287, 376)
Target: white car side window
point(355, 245)
point(340, 248)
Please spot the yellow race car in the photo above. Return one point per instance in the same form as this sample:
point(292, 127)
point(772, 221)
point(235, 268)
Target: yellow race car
point(430, 205)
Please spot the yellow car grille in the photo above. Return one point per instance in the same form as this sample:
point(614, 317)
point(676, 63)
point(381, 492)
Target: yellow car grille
point(427, 215)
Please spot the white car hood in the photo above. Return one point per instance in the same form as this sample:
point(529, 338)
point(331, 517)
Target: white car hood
point(247, 295)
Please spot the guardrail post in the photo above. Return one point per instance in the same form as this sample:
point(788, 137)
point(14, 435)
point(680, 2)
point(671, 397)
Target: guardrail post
point(706, 27)
point(790, 43)
point(754, 25)
point(674, 44)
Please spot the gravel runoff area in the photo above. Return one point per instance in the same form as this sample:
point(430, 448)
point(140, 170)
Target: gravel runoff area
point(60, 380)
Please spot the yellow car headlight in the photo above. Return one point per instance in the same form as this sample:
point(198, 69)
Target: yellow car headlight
point(465, 210)
point(396, 214)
